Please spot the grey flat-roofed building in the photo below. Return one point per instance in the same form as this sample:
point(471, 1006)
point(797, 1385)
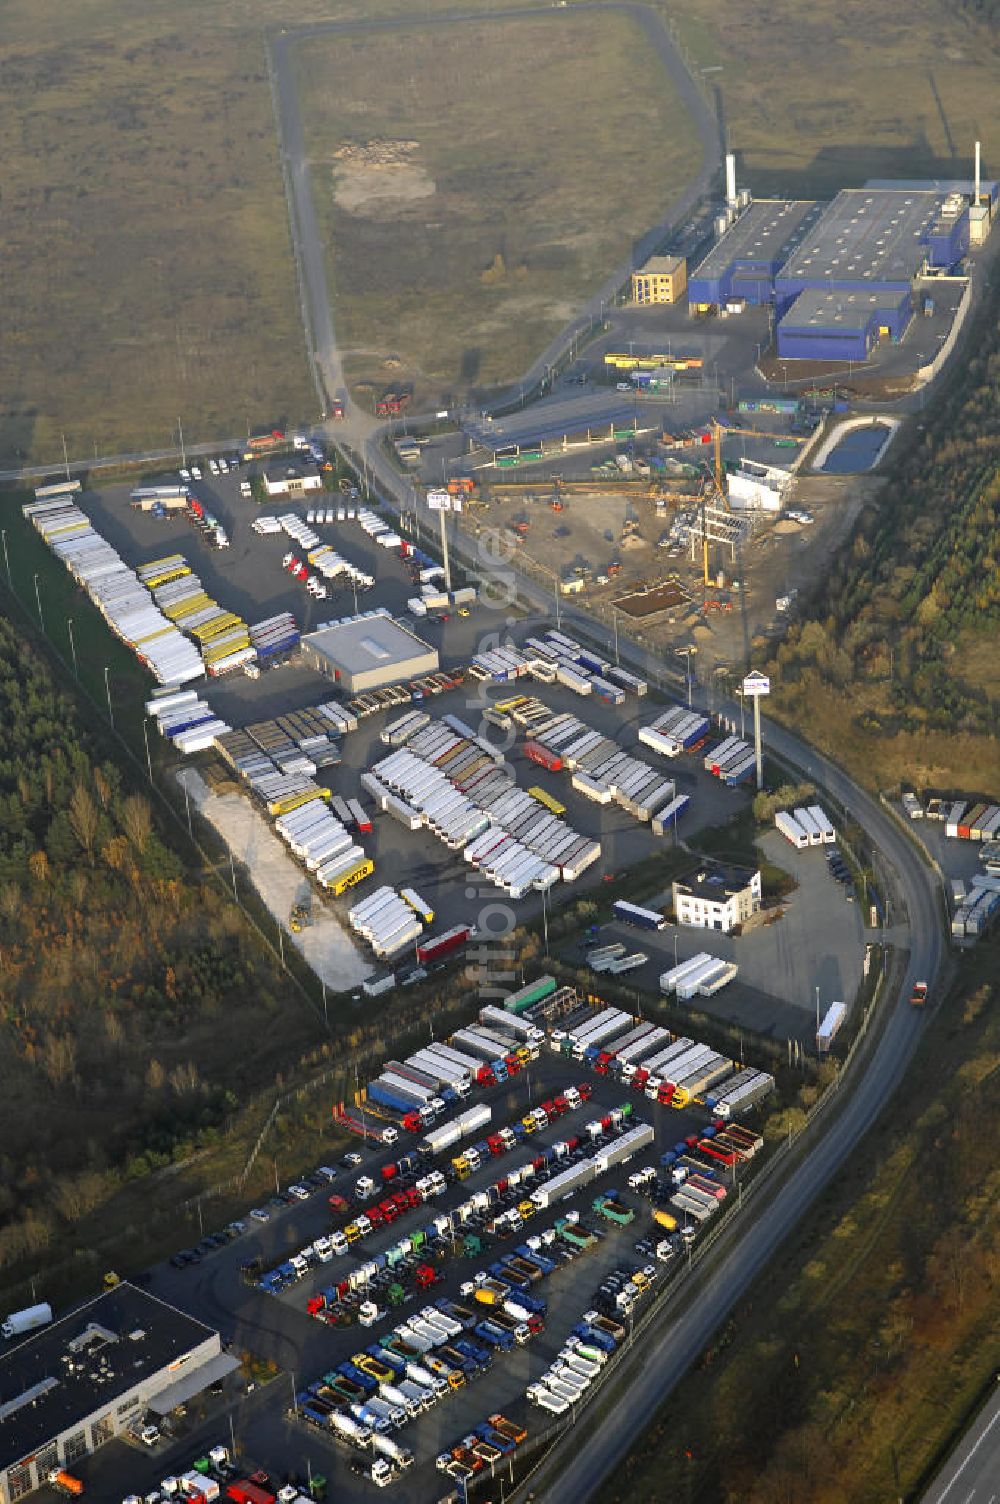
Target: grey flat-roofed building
point(865, 235)
point(744, 261)
point(68, 1389)
point(369, 652)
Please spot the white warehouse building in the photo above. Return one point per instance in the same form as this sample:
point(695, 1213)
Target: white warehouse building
point(68, 1389)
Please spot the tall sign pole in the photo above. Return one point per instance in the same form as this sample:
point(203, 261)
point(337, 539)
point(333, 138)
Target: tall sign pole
point(756, 686)
point(443, 502)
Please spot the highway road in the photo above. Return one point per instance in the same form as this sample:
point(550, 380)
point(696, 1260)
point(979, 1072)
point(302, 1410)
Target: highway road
point(972, 1473)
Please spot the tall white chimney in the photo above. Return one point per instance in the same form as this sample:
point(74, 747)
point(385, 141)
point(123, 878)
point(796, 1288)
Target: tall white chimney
point(976, 199)
point(730, 179)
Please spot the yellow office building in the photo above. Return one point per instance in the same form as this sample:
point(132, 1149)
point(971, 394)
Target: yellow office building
point(663, 279)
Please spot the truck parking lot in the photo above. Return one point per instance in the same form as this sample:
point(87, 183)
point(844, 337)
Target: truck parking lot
point(277, 1326)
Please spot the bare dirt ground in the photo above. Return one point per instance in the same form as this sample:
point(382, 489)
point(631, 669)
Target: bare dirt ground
point(587, 535)
point(379, 177)
point(325, 944)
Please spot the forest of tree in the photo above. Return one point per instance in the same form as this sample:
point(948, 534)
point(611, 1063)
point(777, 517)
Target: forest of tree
point(880, 669)
point(126, 978)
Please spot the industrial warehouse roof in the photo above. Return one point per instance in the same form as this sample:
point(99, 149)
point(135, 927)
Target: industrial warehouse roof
point(866, 235)
point(365, 643)
point(989, 188)
point(818, 309)
point(85, 1362)
point(768, 233)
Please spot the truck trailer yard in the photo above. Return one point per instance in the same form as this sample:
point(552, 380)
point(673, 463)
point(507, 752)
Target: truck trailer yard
point(773, 993)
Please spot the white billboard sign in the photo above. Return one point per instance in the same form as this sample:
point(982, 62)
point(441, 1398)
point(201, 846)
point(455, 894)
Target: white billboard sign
point(443, 501)
point(756, 684)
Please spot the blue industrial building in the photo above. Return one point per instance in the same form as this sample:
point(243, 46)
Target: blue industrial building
point(857, 267)
point(840, 276)
point(841, 326)
point(742, 265)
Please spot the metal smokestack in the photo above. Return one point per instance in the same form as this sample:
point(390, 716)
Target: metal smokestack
point(976, 199)
point(730, 179)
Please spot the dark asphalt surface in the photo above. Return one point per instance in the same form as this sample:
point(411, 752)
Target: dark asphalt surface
point(972, 1473)
point(278, 1328)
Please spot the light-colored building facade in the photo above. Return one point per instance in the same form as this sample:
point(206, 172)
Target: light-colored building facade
point(71, 1387)
point(717, 897)
point(663, 279)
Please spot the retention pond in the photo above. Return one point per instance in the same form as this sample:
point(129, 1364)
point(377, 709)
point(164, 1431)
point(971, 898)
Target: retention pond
point(855, 447)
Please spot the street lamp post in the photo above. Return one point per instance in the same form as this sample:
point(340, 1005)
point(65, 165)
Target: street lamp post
point(38, 602)
point(72, 646)
point(686, 653)
point(107, 691)
point(145, 737)
point(614, 618)
point(6, 560)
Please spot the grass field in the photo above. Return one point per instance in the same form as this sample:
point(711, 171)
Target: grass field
point(146, 264)
point(524, 158)
point(820, 97)
point(147, 269)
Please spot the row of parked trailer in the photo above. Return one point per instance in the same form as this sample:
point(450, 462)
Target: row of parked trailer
point(222, 636)
point(387, 922)
point(732, 761)
point(556, 658)
point(967, 822)
point(584, 670)
point(600, 770)
point(978, 908)
point(298, 742)
point(449, 780)
point(676, 730)
point(186, 720)
point(670, 1069)
point(322, 842)
point(702, 976)
point(274, 638)
point(114, 588)
point(806, 827)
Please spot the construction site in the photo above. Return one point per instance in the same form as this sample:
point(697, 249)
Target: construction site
point(704, 536)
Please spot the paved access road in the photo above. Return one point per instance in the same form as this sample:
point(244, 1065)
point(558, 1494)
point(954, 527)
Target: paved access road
point(972, 1473)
